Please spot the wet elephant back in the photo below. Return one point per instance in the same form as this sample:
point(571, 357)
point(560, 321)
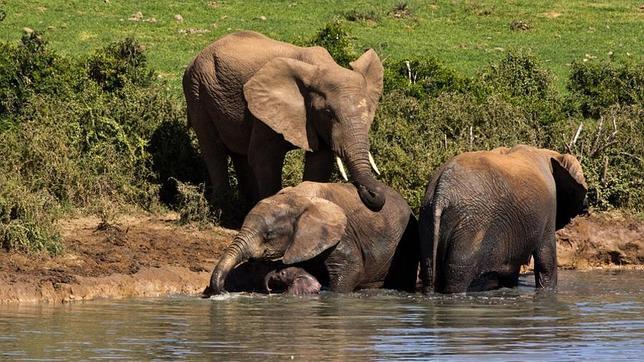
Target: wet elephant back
point(376, 234)
point(496, 214)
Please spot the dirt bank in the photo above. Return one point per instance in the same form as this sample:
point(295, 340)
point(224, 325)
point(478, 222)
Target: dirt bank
point(602, 240)
point(152, 256)
point(139, 256)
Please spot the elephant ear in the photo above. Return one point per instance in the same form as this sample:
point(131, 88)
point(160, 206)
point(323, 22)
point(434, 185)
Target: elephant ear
point(571, 187)
point(274, 96)
point(318, 228)
point(370, 66)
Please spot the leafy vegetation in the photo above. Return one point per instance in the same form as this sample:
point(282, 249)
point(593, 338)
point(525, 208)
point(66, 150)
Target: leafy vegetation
point(69, 142)
point(102, 132)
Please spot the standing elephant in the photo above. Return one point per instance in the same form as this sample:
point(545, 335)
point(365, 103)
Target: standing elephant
point(253, 99)
point(485, 213)
point(325, 229)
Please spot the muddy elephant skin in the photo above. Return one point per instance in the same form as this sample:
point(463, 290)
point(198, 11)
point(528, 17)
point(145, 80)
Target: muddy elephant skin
point(486, 213)
point(327, 230)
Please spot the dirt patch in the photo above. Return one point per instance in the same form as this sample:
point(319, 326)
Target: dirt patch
point(612, 239)
point(552, 14)
point(139, 256)
point(152, 256)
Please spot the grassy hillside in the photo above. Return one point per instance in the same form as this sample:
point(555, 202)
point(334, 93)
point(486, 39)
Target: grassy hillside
point(467, 35)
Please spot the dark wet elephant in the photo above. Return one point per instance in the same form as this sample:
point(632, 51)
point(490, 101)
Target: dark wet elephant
point(486, 213)
point(326, 229)
point(253, 99)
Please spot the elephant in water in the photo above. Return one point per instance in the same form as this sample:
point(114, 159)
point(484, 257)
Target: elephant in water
point(253, 99)
point(486, 213)
point(325, 229)
point(292, 280)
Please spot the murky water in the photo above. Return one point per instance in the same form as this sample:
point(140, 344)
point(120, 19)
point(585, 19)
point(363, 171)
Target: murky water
point(595, 315)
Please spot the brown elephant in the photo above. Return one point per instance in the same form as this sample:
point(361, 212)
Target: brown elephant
point(253, 99)
point(325, 229)
point(486, 213)
point(292, 280)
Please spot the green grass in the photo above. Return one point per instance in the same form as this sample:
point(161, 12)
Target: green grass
point(466, 35)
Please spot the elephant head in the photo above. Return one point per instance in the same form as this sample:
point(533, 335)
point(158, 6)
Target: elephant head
point(306, 103)
point(287, 226)
point(571, 188)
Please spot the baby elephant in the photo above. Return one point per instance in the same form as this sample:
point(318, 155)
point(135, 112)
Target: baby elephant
point(486, 213)
point(293, 280)
point(326, 229)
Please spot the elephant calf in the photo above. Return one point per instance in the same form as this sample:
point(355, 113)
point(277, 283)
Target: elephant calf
point(486, 213)
point(292, 280)
point(325, 229)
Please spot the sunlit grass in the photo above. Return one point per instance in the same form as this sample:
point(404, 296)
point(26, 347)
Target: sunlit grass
point(466, 35)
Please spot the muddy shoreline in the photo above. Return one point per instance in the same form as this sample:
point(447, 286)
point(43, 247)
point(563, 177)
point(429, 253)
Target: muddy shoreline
point(151, 256)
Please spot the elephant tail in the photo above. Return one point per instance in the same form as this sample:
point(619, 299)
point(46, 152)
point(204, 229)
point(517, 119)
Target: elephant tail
point(190, 90)
point(438, 212)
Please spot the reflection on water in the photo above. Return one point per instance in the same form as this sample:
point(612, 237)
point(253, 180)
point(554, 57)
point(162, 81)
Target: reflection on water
point(594, 315)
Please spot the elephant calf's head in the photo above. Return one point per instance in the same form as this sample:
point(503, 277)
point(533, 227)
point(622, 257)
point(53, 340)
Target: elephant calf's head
point(286, 226)
point(293, 280)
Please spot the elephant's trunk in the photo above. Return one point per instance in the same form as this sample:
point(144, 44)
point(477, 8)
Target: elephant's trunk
point(234, 254)
point(267, 280)
point(371, 191)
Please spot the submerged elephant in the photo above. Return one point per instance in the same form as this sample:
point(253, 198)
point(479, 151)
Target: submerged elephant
point(486, 213)
point(325, 229)
point(292, 280)
point(253, 99)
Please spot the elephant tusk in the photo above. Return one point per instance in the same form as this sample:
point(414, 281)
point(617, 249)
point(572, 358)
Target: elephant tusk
point(341, 168)
point(373, 164)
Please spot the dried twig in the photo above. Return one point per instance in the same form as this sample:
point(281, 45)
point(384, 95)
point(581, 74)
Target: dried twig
point(574, 139)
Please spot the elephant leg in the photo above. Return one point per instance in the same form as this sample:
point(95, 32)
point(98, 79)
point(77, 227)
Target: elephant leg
point(345, 271)
point(214, 152)
point(457, 278)
point(266, 158)
point(545, 263)
point(245, 178)
point(318, 165)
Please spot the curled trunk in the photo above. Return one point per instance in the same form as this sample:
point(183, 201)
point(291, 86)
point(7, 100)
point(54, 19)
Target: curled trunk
point(371, 191)
point(233, 255)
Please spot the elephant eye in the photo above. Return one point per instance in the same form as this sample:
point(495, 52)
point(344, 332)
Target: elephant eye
point(328, 112)
point(269, 235)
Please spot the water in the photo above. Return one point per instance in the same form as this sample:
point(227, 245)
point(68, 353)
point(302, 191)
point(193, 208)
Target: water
point(595, 315)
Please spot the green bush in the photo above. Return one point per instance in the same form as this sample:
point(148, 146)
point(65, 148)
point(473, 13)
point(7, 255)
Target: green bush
point(611, 151)
point(29, 69)
point(335, 38)
point(82, 142)
point(424, 77)
point(27, 219)
point(118, 64)
point(595, 86)
point(523, 81)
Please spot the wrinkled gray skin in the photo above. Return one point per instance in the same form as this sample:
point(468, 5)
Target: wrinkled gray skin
point(486, 213)
point(292, 280)
point(327, 230)
point(253, 99)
